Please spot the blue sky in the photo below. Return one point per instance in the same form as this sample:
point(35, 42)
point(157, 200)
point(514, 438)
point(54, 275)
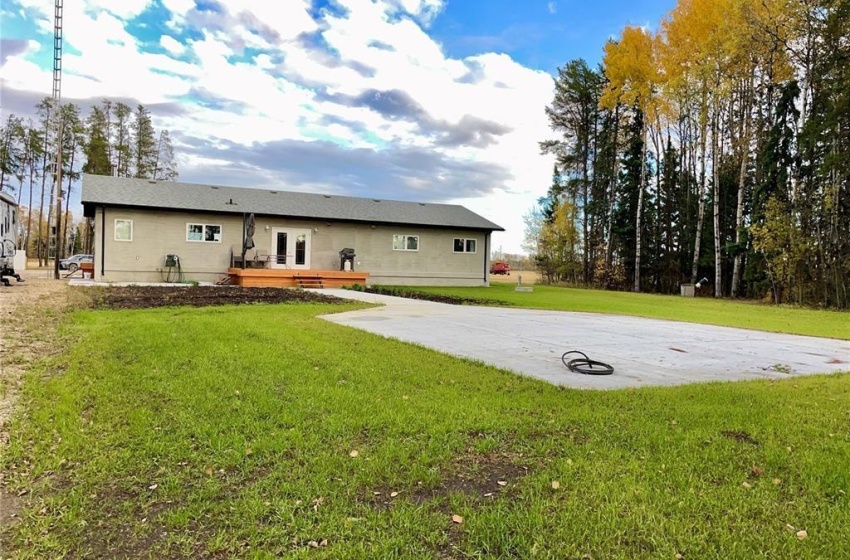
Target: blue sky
point(405, 99)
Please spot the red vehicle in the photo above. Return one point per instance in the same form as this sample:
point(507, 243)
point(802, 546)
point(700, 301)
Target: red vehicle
point(500, 267)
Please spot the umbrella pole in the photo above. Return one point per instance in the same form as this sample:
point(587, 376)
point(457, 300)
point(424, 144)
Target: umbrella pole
point(244, 249)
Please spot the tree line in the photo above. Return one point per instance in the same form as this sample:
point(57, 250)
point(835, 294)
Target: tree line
point(113, 139)
point(715, 149)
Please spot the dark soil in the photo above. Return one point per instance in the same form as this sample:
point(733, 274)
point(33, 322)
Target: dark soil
point(144, 297)
point(413, 294)
point(743, 437)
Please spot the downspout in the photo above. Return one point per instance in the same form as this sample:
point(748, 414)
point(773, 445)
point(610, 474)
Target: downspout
point(102, 241)
point(486, 256)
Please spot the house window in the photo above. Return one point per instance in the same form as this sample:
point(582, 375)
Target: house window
point(464, 245)
point(123, 230)
point(405, 242)
point(205, 233)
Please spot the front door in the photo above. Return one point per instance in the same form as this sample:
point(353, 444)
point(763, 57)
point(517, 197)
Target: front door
point(291, 247)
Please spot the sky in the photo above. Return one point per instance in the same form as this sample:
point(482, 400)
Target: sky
point(421, 100)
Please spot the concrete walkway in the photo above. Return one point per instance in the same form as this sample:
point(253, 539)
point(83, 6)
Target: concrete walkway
point(643, 352)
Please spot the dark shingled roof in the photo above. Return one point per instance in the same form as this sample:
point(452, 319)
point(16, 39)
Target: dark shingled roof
point(142, 193)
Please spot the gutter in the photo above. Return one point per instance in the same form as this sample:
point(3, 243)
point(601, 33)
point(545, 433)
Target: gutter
point(102, 241)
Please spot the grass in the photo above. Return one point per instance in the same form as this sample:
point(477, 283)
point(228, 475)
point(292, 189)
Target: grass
point(229, 432)
point(709, 311)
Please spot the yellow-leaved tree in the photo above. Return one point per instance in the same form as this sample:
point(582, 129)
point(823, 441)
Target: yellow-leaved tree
point(634, 80)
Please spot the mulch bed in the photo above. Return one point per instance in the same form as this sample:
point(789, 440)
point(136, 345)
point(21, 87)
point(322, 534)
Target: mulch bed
point(144, 297)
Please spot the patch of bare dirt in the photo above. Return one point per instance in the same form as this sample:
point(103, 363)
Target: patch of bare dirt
point(144, 297)
point(741, 436)
point(482, 476)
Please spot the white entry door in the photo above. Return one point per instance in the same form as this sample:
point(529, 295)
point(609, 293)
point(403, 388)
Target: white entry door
point(291, 248)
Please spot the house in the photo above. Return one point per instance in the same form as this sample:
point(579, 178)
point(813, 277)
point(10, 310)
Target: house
point(150, 231)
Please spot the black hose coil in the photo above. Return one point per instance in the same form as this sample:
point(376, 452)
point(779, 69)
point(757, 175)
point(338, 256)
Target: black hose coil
point(585, 365)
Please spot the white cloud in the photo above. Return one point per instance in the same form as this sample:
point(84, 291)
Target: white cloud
point(178, 9)
point(124, 9)
point(172, 45)
point(289, 18)
point(552, 7)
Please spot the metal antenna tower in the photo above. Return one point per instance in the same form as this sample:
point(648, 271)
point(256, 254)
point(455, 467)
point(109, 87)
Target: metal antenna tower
point(57, 52)
point(56, 207)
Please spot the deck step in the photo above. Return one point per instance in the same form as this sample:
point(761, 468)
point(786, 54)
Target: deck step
point(310, 282)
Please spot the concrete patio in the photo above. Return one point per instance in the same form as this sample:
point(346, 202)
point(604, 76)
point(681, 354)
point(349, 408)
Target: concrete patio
point(643, 352)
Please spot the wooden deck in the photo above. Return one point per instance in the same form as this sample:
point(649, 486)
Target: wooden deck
point(290, 278)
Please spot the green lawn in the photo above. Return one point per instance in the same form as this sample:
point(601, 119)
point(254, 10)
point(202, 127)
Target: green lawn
point(792, 320)
point(229, 432)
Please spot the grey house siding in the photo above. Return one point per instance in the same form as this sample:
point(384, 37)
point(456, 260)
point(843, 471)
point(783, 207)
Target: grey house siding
point(159, 233)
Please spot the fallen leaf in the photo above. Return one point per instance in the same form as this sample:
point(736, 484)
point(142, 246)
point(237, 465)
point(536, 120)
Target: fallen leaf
point(208, 471)
point(746, 484)
point(569, 461)
point(555, 485)
point(488, 494)
point(756, 471)
point(153, 487)
point(248, 451)
point(376, 493)
point(393, 494)
point(353, 453)
point(457, 519)
point(790, 527)
point(679, 556)
point(313, 544)
point(777, 482)
point(323, 542)
point(502, 482)
point(802, 534)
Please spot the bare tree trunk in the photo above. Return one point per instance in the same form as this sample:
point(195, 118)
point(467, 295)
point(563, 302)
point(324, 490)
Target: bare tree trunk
point(29, 208)
point(742, 185)
point(701, 211)
point(715, 147)
point(609, 243)
point(638, 220)
point(68, 194)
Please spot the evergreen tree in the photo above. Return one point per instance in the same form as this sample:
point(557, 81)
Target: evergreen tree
point(144, 143)
point(96, 148)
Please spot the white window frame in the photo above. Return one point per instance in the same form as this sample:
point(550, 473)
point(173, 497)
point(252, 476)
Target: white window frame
point(405, 237)
point(204, 227)
point(466, 241)
point(115, 230)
